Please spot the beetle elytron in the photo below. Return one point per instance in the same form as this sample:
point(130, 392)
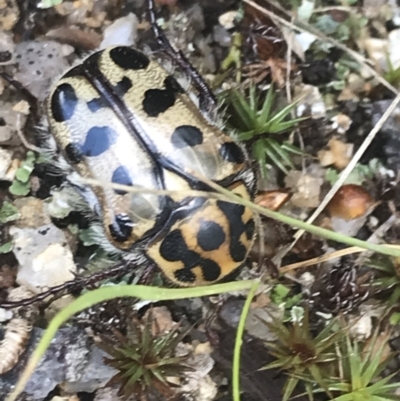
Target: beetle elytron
point(120, 117)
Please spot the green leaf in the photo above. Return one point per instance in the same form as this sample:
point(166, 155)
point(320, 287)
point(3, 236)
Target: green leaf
point(394, 318)
point(326, 24)
point(19, 188)
point(306, 9)
point(8, 212)
point(24, 172)
point(7, 247)
point(48, 3)
point(279, 293)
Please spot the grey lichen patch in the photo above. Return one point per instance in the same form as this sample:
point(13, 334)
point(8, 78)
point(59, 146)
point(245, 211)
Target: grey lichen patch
point(39, 63)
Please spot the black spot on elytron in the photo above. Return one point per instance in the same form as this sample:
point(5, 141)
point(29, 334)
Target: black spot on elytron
point(233, 212)
point(184, 275)
point(123, 86)
point(211, 270)
point(249, 229)
point(98, 140)
point(172, 84)
point(231, 152)
point(157, 101)
point(63, 102)
point(96, 104)
point(174, 248)
point(210, 235)
point(186, 136)
point(128, 58)
point(121, 176)
point(121, 228)
point(73, 152)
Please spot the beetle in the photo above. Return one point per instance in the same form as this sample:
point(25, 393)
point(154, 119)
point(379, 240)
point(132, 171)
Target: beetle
point(120, 117)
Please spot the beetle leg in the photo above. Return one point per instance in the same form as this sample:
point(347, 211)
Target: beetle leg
point(78, 283)
point(208, 102)
point(147, 275)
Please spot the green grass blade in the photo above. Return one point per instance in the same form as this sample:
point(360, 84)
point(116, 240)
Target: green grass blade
point(280, 152)
point(265, 111)
point(269, 151)
point(291, 148)
point(246, 114)
point(281, 127)
point(238, 343)
point(290, 385)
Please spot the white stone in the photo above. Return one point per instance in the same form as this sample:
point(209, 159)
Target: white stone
point(44, 257)
point(227, 20)
point(305, 39)
point(360, 327)
point(121, 32)
point(394, 54)
point(310, 99)
point(5, 315)
point(5, 162)
point(347, 227)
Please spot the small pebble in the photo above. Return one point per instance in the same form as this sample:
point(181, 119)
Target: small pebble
point(122, 31)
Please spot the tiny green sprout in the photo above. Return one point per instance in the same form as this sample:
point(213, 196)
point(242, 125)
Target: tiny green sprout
point(7, 247)
point(387, 277)
point(301, 354)
point(144, 360)
point(360, 373)
point(393, 74)
point(282, 296)
point(48, 3)
point(258, 124)
point(8, 212)
point(21, 185)
point(234, 56)
point(358, 175)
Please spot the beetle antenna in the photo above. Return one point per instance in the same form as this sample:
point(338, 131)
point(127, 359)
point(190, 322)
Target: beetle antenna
point(78, 283)
point(208, 102)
